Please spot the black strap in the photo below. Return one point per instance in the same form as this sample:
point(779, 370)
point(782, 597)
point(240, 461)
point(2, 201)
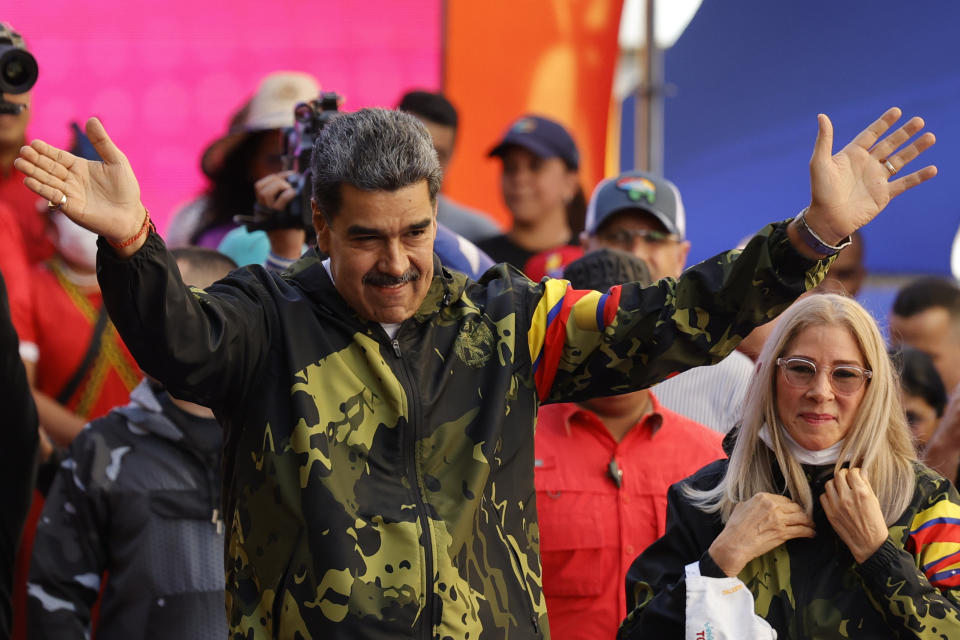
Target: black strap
point(88, 358)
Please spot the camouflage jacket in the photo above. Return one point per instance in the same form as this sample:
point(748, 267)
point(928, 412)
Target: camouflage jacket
point(813, 588)
point(383, 488)
point(135, 504)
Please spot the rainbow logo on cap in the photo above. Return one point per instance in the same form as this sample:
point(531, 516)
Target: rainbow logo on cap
point(524, 125)
point(638, 188)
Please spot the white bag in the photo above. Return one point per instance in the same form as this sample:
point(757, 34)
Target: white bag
point(721, 609)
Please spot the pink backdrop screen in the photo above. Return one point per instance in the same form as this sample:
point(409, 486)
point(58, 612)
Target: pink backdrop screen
point(165, 76)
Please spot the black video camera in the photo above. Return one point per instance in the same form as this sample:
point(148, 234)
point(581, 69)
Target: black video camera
point(309, 118)
point(18, 69)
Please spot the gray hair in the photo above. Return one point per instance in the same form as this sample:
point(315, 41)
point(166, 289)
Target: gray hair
point(372, 150)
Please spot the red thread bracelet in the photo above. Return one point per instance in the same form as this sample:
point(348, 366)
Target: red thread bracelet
point(147, 225)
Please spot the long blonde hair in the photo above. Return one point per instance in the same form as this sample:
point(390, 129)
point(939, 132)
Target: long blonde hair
point(878, 441)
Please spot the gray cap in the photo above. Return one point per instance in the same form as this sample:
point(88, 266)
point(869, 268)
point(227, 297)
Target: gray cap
point(637, 190)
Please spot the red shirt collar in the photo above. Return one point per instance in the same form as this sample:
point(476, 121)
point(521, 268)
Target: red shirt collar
point(582, 418)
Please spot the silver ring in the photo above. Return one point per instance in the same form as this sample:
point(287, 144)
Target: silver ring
point(57, 206)
point(889, 167)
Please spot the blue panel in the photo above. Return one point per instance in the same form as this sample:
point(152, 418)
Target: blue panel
point(751, 75)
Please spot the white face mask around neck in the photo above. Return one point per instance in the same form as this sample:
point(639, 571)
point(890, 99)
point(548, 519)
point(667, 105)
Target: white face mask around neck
point(800, 454)
point(74, 243)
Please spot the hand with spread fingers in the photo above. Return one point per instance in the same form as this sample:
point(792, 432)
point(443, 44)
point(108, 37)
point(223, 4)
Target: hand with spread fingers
point(854, 512)
point(103, 197)
point(849, 188)
point(756, 526)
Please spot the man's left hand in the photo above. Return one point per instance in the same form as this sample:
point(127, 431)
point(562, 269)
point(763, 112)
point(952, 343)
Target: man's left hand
point(850, 188)
point(854, 512)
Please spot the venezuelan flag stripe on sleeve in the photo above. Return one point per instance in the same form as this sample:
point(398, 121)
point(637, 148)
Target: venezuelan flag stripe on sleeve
point(934, 537)
point(550, 324)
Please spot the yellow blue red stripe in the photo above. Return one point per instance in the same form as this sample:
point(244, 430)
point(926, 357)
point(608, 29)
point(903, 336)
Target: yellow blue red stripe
point(591, 311)
point(934, 537)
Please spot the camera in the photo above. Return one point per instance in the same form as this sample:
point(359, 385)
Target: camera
point(18, 69)
point(309, 118)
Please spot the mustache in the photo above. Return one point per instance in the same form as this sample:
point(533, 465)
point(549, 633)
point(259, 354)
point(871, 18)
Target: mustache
point(380, 279)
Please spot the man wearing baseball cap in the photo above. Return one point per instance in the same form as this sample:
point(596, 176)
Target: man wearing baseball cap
point(643, 214)
point(541, 188)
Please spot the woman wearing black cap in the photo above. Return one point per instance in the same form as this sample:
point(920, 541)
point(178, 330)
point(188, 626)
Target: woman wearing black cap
point(541, 188)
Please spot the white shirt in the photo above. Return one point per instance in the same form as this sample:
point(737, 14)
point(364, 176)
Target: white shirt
point(711, 395)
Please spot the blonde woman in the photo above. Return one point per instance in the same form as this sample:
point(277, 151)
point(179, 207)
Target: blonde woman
point(822, 524)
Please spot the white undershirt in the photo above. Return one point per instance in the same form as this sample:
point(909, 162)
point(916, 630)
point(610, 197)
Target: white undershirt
point(391, 328)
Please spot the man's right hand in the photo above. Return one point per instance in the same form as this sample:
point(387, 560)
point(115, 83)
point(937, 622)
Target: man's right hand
point(103, 197)
point(275, 192)
point(756, 526)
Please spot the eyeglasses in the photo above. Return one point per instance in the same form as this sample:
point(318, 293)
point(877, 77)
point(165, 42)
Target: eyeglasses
point(626, 237)
point(844, 378)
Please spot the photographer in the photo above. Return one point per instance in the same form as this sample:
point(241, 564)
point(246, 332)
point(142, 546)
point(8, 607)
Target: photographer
point(250, 150)
point(18, 77)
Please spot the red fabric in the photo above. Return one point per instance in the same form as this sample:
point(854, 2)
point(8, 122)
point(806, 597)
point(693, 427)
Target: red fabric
point(21, 569)
point(551, 262)
point(545, 368)
point(15, 269)
point(591, 531)
point(62, 334)
point(23, 203)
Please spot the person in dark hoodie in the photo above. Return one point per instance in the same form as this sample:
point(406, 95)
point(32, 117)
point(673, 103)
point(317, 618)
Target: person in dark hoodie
point(18, 455)
point(137, 499)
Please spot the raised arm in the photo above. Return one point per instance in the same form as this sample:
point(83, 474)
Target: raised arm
point(207, 348)
point(583, 344)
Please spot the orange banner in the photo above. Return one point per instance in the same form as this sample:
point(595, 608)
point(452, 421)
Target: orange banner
point(505, 58)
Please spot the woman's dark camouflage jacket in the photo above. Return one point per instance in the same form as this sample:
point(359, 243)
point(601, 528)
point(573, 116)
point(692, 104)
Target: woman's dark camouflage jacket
point(813, 588)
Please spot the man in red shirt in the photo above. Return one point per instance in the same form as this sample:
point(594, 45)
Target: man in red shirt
point(603, 467)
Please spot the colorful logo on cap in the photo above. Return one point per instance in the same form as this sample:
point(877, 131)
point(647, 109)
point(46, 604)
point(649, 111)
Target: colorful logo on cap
point(638, 188)
point(524, 125)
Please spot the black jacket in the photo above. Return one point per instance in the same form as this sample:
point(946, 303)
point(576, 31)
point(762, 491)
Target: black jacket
point(18, 452)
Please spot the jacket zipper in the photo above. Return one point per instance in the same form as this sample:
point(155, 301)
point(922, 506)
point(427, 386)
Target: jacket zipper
point(212, 476)
point(410, 464)
point(216, 517)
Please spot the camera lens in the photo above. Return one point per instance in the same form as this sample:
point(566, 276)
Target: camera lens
point(14, 73)
point(303, 113)
point(18, 70)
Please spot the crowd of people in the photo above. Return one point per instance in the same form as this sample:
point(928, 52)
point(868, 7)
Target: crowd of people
point(400, 420)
